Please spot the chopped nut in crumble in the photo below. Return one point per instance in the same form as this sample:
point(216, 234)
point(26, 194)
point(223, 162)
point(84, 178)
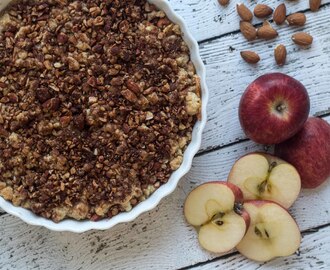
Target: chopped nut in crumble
point(97, 104)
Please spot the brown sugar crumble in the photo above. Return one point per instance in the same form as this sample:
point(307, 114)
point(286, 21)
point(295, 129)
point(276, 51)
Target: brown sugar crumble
point(97, 104)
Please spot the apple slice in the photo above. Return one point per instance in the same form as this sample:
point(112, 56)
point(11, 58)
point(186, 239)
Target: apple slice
point(266, 177)
point(272, 232)
point(215, 209)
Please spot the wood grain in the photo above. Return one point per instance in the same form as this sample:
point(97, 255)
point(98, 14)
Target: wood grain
point(160, 239)
point(207, 19)
point(228, 75)
point(313, 254)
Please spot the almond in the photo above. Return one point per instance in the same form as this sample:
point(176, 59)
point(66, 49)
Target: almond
point(280, 14)
point(248, 30)
point(302, 39)
point(223, 2)
point(250, 57)
point(297, 19)
point(262, 11)
point(244, 12)
point(267, 32)
point(314, 5)
point(280, 54)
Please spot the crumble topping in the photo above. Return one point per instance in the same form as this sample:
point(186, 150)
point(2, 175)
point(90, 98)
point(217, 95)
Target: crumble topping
point(97, 104)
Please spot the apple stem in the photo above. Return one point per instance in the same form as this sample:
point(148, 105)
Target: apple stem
point(238, 208)
point(272, 166)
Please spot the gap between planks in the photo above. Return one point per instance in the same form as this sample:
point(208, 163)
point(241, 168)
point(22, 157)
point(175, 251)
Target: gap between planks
point(226, 256)
point(322, 114)
point(206, 40)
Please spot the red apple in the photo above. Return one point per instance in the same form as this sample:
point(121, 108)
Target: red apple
point(309, 152)
point(273, 108)
point(215, 209)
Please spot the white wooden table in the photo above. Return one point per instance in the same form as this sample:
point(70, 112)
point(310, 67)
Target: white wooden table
point(161, 239)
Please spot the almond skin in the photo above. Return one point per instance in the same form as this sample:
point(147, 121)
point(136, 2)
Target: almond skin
point(223, 2)
point(297, 19)
point(302, 39)
point(280, 14)
point(262, 11)
point(244, 12)
point(280, 54)
point(250, 57)
point(267, 32)
point(314, 5)
point(248, 30)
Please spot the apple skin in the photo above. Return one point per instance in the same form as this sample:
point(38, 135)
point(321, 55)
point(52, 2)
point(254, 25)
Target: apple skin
point(273, 108)
point(309, 152)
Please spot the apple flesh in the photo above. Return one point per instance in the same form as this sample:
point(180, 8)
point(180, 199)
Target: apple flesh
point(309, 152)
point(273, 108)
point(215, 209)
point(272, 232)
point(266, 177)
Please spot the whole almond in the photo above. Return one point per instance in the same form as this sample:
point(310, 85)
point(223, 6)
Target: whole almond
point(314, 5)
point(297, 19)
point(248, 30)
point(280, 54)
point(244, 12)
point(262, 11)
point(280, 14)
point(250, 57)
point(266, 31)
point(223, 2)
point(302, 39)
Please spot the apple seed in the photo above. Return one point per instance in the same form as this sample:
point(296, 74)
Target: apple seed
point(217, 219)
point(257, 231)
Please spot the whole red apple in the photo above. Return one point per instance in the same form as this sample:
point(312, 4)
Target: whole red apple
point(273, 108)
point(309, 152)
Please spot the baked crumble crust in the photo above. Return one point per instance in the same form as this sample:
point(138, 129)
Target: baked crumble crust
point(97, 104)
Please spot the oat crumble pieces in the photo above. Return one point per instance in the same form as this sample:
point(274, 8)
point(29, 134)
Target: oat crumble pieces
point(97, 104)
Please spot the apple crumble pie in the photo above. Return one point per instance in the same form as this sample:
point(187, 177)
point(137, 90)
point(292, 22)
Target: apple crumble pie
point(98, 100)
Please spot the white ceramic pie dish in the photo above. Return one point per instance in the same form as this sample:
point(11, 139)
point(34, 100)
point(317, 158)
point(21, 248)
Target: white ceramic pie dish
point(150, 203)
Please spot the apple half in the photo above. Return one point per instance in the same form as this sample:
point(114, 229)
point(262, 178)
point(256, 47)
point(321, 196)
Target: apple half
point(215, 208)
point(272, 232)
point(266, 177)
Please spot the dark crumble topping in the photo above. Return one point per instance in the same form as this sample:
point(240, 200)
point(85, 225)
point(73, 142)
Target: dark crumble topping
point(97, 104)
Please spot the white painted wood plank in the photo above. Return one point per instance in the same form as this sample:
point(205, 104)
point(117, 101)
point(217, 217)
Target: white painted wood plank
point(207, 19)
point(313, 254)
point(160, 239)
point(228, 75)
